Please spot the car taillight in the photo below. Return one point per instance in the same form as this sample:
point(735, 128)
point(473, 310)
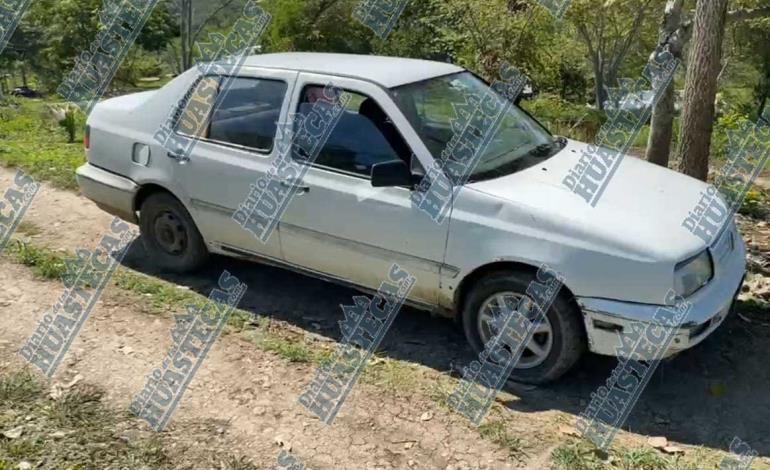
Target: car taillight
point(87, 138)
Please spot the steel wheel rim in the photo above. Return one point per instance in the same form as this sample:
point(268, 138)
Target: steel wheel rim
point(170, 233)
point(540, 345)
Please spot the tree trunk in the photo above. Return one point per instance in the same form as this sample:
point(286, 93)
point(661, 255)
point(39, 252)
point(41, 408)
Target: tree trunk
point(700, 89)
point(674, 34)
point(599, 91)
point(661, 128)
point(186, 30)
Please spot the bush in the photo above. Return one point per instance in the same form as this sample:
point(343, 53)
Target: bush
point(561, 117)
point(720, 144)
point(68, 117)
point(139, 64)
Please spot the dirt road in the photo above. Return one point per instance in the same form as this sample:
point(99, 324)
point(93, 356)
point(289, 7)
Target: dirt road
point(244, 398)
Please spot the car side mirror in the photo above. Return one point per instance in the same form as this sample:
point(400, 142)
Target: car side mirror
point(392, 173)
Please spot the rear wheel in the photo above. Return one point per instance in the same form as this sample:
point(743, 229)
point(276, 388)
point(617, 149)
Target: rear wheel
point(170, 236)
point(558, 339)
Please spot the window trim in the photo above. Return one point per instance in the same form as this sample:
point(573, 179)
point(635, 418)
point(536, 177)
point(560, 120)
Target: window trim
point(340, 171)
point(188, 97)
point(359, 176)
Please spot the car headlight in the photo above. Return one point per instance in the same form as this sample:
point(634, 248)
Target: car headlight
point(692, 274)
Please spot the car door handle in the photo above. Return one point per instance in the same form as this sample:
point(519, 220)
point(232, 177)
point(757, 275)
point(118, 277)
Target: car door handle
point(300, 189)
point(179, 158)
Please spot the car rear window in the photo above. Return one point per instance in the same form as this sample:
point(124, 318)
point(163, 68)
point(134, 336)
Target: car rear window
point(245, 115)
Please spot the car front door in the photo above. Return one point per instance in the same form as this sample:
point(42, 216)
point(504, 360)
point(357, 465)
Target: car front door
point(338, 224)
point(233, 149)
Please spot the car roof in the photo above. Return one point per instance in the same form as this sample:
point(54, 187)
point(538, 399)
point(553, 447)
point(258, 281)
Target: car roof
point(387, 71)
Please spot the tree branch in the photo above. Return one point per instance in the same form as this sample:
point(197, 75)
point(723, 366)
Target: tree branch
point(748, 14)
point(204, 22)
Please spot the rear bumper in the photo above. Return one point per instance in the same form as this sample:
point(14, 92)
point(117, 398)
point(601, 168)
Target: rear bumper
point(112, 193)
point(605, 320)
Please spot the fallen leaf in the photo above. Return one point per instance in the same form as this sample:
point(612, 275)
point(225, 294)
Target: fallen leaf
point(658, 442)
point(74, 381)
point(673, 450)
point(14, 433)
point(427, 416)
point(56, 392)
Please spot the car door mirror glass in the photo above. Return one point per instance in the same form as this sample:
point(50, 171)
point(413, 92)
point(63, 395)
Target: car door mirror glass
point(393, 173)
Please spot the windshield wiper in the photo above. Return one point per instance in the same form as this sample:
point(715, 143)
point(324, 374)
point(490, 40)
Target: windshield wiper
point(546, 150)
point(541, 151)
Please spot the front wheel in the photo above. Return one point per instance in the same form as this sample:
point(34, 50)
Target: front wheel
point(558, 338)
point(170, 236)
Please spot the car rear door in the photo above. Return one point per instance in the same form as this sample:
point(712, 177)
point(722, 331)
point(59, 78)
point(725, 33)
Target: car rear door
point(338, 224)
point(232, 151)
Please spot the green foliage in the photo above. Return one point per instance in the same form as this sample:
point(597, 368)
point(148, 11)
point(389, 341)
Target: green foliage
point(19, 388)
point(139, 64)
point(616, 37)
point(292, 351)
point(45, 263)
point(755, 202)
point(38, 145)
point(315, 25)
point(496, 432)
point(727, 122)
point(60, 30)
point(582, 455)
point(69, 430)
point(480, 35)
point(564, 118)
point(69, 118)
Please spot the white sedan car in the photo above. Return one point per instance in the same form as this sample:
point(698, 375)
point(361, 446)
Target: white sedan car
point(350, 220)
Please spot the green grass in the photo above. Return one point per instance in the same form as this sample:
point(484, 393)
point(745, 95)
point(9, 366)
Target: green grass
point(31, 140)
point(388, 375)
point(74, 431)
point(163, 297)
point(19, 388)
point(396, 377)
point(77, 430)
point(44, 263)
point(292, 351)
point(496, 432)
point(582, 455)
point(28, 228)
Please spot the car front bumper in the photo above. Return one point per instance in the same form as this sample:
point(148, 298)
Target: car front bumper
point(114, 194)
point(605, 320)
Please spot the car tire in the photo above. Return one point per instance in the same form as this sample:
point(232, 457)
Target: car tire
point(169, 235)
point(563, 318)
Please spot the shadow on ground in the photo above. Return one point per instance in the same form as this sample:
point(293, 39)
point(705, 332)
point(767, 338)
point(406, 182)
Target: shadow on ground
point(705, 396)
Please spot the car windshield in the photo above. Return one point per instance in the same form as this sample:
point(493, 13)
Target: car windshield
point(440, 108)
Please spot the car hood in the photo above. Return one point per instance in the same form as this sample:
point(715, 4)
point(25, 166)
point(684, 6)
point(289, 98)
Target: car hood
point(641, 211)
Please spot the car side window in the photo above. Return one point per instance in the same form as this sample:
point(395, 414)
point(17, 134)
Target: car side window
point(247, 113)
point(194, 117)
point(363, 136)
